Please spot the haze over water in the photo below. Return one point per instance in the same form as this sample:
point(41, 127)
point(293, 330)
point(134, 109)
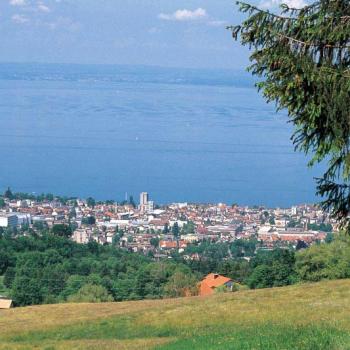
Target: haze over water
point(181, 135)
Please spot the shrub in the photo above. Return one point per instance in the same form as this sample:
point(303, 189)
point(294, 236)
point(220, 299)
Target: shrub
point(181, 284)
point(91, 293)
point(325, 261)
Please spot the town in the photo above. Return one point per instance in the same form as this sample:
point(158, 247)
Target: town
point(159, 231)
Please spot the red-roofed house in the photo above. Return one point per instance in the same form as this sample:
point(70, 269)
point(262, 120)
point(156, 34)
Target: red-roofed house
point(213, 281)
point(172, 244)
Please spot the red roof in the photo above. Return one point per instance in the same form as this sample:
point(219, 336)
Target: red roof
point(172, 244)
point(212, 281)
point(159, 222)
point(202, 230)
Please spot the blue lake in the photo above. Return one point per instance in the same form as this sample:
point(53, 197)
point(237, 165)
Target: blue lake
point(181, 135)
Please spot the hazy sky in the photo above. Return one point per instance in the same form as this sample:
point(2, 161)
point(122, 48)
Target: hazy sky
point(180, 33)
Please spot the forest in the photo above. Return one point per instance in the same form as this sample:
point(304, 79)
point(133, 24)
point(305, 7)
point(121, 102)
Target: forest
point(47, 268)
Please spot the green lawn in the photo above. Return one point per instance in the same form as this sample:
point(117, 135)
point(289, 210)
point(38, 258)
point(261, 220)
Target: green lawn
point(312, 316)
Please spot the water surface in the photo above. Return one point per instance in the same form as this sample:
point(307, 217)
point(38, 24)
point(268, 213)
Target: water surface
point(181, 135)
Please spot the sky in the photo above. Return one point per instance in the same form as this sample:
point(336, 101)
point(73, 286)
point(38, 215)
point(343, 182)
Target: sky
point(169, 33)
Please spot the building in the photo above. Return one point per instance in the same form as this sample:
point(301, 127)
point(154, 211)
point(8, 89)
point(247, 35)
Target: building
point(143, 198)
point(146, 206)
point(5, 303)
point(23, 219)
point(150, 207)
point(81, 236)
point(214, 281)
point(143, 202)
point(166, 245)
point(8, 220)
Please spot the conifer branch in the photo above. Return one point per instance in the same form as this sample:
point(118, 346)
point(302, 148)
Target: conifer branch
point(247, 7)
point(304, 67)
point(311, 44)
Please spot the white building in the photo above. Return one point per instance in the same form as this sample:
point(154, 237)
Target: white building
point(143, 198)
point(146, 206)
point(23, 218)
point(8, 220)
point(149, 207)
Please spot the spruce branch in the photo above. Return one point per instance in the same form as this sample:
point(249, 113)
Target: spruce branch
point(303, 63)
point(312, 44)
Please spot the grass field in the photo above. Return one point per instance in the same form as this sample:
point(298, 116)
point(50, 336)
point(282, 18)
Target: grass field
point(312, 316)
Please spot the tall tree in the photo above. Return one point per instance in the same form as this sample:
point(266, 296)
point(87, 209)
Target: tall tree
point(91, 202)
point(175, 230)
point(61, 230)
point(176, 233)
point(132, 202)
point(302, 59)
point(8, 193)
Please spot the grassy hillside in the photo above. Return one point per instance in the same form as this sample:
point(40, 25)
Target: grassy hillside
point(315, 316)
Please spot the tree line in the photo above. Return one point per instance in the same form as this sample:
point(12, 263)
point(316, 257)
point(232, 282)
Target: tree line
point(50, 268)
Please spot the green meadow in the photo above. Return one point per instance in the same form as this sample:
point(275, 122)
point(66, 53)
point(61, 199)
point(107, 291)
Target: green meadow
point(308, 316)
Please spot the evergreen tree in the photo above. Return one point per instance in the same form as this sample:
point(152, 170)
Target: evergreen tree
point(8, 194)
point(91, 202)
point(302, 57)
point(175, 230)
point(166, 228)
point(176, 233)
point(132, 202)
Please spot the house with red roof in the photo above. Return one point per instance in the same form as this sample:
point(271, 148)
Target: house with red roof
point(214, 281)
point(172, 244)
